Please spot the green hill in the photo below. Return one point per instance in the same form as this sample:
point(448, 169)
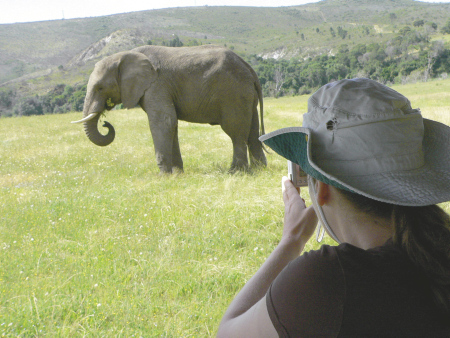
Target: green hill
point(36, 57)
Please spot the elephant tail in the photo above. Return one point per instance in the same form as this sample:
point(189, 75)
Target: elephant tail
point(261, 110)
point(261, 106)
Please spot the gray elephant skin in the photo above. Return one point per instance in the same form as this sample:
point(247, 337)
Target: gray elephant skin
point(205, 84)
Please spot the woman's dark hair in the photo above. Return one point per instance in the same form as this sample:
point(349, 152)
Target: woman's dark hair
point(423, 233)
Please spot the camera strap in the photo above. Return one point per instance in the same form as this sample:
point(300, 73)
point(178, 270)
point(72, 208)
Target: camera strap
point(320, 232)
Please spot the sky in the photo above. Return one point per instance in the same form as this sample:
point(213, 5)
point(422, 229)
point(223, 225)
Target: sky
point(12, 11)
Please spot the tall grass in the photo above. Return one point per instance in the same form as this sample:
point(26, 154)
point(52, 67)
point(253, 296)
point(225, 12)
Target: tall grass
point(94, 242)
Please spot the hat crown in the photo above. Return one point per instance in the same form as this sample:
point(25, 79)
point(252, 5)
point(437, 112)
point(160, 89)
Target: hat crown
point(361, 127)
point(355, 100)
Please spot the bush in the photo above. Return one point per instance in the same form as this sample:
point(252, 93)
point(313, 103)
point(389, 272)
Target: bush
point(446, 29)
point(77, 100)
point(31, 106)
point(64, 99)
point(61, 99)
point(418, 23)
point(7, 97)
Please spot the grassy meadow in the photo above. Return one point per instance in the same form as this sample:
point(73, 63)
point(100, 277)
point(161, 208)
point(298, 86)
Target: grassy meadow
point(94, 242)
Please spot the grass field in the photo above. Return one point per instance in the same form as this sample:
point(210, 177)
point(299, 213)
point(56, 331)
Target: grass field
point(94, 242)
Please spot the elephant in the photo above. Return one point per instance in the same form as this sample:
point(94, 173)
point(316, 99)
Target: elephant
point(202, 84)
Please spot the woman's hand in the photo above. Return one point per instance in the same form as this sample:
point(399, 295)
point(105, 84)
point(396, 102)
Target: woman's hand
point(299, 220)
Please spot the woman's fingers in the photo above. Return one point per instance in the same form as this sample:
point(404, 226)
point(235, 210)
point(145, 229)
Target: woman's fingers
point(299, 221)
point(288, 188)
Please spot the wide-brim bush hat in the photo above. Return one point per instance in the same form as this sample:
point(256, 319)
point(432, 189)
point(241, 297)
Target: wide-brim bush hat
point(364, 137)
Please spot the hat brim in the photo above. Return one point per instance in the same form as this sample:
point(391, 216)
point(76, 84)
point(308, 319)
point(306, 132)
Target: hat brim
point(427, 185)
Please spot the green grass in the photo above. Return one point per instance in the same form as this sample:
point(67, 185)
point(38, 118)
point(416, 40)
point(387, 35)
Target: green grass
point(94, 242)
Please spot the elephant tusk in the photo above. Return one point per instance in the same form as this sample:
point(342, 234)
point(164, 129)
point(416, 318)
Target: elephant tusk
point(87, 118)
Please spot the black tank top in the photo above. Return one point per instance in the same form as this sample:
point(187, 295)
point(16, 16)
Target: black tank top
point(345, 291)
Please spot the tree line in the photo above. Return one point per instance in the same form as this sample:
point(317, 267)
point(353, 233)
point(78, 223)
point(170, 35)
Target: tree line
point(410, 56)
point(61, 99)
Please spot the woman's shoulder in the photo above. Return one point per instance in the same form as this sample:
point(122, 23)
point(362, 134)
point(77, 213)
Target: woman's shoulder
point(311, 289)
point(385, 257)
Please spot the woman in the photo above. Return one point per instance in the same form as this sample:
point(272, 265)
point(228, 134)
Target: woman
point(376, 171)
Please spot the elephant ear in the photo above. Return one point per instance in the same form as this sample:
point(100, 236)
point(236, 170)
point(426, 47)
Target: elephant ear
point(136, 74)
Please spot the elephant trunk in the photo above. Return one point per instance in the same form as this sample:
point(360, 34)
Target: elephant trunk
point(92, 132)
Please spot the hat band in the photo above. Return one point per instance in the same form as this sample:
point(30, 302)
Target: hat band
point(372, 165)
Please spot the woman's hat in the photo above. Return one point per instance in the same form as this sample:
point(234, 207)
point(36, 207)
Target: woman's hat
point(364, 137)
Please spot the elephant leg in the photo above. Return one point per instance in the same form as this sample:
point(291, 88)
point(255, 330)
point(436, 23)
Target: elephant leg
point(238, 134)
point(163, 127)
point(163, 148)
point(237, 128)
point(162, 117)
point(240, 160)
point(177, 161)
point(255, 148)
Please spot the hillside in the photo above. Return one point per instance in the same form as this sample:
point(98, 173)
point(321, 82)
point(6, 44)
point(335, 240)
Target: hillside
point(35, 57)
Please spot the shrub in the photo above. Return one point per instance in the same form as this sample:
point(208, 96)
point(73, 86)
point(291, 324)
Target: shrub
point(31, 106)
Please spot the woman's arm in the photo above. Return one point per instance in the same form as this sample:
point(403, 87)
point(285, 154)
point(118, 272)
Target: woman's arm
point(247, 314)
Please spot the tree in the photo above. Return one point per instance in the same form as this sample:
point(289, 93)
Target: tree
point(404, 30)
point(336, 71)
point(279, 78)
point(6, 98)
point(333, 33)
point(76, 101)
point(31, 106)
point(343, 49)
point(446, 29)
point(195, 43)
point(433, 53)
point(418, 23)
point(442, 62)
point(366, 30)
point(392, 51)
point(342, 32)
point(176, 42)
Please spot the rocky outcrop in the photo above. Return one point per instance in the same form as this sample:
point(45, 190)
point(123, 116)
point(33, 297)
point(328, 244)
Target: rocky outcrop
point(118, 41)
point(90, 53)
